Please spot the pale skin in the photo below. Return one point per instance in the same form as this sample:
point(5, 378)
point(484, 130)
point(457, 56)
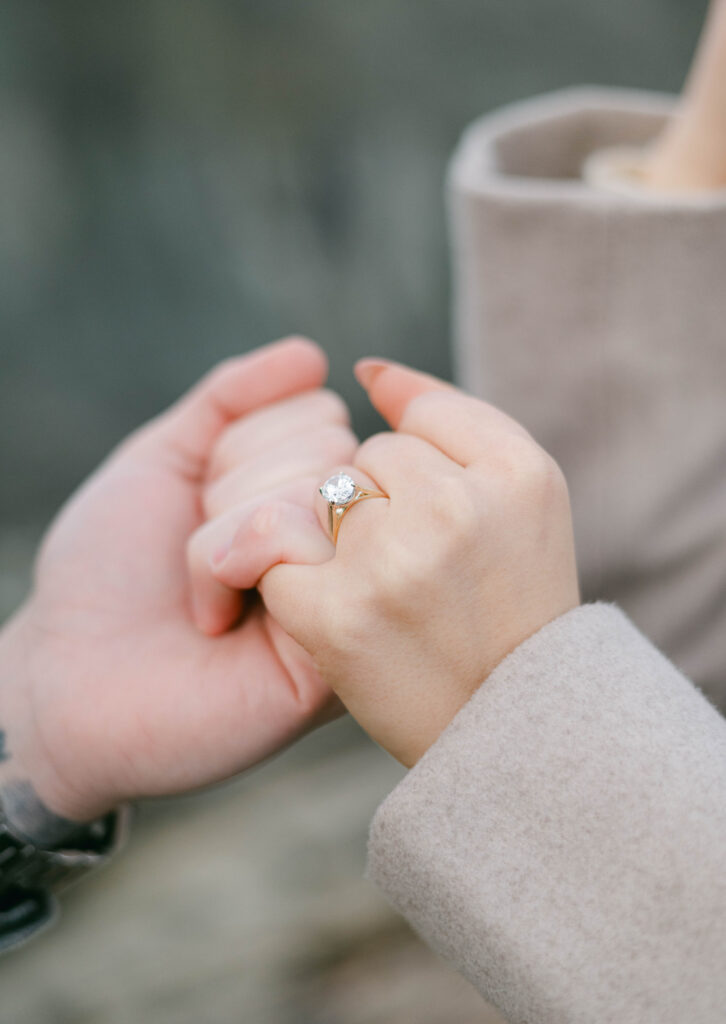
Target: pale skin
point(108, 688)
point(335, 610)
point(690, 154)
point(429, 589)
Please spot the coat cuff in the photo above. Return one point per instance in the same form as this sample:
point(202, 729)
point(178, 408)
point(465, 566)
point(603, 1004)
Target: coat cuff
point(548, 149)
point(562, 841)
point(28, 903)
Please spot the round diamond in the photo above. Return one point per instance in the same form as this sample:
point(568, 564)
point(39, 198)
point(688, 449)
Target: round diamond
point(338, 489)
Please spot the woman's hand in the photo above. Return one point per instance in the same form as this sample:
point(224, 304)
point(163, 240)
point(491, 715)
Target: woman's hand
point(107, 688)
point(430, 589)
point(268, 460)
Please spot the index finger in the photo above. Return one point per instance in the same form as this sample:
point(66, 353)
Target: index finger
point(187, 431)
point(463, 427)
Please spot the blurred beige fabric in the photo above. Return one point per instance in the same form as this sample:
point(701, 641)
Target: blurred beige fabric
point(562, 843)
point(596, 317)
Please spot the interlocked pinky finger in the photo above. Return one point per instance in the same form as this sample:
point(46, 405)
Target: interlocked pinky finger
point(215, 606)
point(276, 531)
point(231, 553)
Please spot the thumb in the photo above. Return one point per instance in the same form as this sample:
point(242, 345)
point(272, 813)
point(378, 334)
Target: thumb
point(391, 386)
point(230, 554)
point(185, 434)
point(280, 548)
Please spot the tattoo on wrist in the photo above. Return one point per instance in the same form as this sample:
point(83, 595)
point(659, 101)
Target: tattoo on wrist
point(4, 752)
point(27, 814)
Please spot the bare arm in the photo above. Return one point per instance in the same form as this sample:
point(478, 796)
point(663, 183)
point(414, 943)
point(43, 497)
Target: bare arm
point(690, 155)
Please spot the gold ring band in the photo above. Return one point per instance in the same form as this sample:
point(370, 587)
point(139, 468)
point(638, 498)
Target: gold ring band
point(341, 493)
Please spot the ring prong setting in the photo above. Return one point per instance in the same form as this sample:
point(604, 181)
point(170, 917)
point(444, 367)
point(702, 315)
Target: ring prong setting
point(342, 492)
point(339, 489)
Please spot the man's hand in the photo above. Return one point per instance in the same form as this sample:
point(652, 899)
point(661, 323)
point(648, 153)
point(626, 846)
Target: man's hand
point(108, 690)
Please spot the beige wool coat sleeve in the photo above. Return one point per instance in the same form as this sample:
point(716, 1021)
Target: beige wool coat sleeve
point(563, 843)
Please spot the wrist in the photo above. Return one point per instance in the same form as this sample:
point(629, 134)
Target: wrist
point(421, 733)
point(31, 820)
point(38, 800)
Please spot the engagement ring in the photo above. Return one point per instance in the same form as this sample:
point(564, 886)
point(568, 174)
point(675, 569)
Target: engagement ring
point(341, 493)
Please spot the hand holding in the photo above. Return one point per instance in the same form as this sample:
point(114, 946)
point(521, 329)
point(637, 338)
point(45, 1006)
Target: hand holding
point(108, 690)
point(429, 590)
point(265, 462)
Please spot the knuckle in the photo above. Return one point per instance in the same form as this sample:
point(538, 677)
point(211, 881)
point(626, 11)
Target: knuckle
point(404, 580)
point(453, 508)
point(336, 443)
point(347, 622)
point(372, 447)
point(267, 519)
point(541, 477)
point(332, 407)
point(552, 480)
point(326, 415)
point(530, 473)
point(399, 577)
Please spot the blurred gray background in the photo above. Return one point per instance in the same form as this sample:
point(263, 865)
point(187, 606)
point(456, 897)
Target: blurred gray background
point(185, 179)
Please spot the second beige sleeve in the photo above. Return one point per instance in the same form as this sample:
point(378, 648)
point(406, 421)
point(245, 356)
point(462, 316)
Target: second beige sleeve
point(563, 843)
point(598, 319)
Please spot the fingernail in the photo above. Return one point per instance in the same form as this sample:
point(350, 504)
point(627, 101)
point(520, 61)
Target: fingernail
point(366, 371)
point(220, 554)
